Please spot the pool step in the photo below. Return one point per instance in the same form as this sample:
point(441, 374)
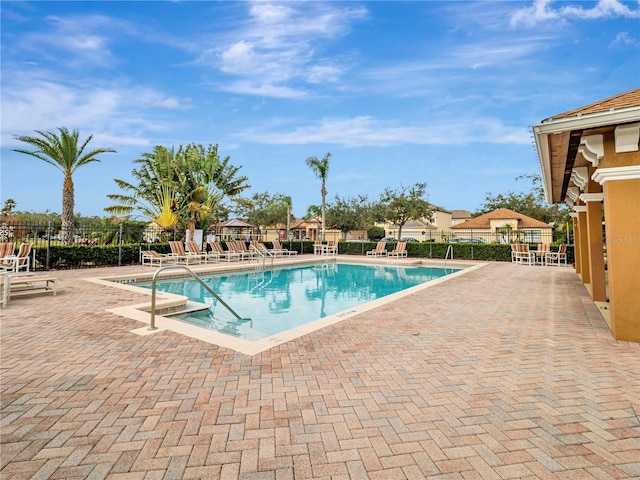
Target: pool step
point(182, 308)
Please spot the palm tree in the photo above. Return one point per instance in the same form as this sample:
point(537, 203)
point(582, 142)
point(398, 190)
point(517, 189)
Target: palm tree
point(189, 185)
point(64, 152)
point(320, 169)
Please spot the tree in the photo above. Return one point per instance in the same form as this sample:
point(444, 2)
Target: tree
point(350, 213)
point(531, 203)
point(9, 206)
point(64, 152)
point(189, 185)
point(267, 210)
point(404, 204)
point(320, 169)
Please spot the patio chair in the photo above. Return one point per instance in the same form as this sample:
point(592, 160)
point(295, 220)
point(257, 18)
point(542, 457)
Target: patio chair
point(277, 248)
point(153, 258)
point(7, 249)
point(541, 253)
point(21, 261)
point(523, 255)
point(260, 249)
point(379, 251)
point(179, 255)
point(330, 248)
point(399, 251)
point(241, 248)
point(318, 248)
point(228, 255)
point(555, 258)
point(195, 251)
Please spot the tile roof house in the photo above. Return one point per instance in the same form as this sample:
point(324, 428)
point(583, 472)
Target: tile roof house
point(488, 225)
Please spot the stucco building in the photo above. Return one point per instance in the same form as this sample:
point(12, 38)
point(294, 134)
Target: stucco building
point(590, 159)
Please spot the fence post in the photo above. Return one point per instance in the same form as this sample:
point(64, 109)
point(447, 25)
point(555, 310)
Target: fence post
point(48, 245)
point(120, 247)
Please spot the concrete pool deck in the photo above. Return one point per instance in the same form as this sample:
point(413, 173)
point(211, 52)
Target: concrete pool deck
point(506, 372)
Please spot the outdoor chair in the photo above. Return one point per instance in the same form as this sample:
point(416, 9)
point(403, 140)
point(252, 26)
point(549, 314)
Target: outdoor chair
point(379, 251)
point(541, 253)
point(556, 258)
point(179, 255)
point(153, 258)
point(228, 255)
point(399, 251)
point(524, 255)
point(277, 248)
point(15, 263)
point(7, 249)
point(195, 251)
point(260, 249)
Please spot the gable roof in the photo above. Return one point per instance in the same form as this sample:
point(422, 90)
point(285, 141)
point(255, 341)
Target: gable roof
point(460, 214)
point(622, 100)
point(484, 221)
point(236, 223)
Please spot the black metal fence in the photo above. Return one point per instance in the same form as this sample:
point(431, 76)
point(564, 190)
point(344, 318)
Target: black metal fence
point(88, 246)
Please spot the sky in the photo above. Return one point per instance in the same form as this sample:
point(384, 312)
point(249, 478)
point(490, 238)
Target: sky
point(443, 93)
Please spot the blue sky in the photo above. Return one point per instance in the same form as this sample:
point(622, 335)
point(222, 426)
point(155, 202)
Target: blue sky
point(398, 92)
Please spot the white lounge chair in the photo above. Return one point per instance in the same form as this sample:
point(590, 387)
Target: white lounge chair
point(399, 251)
point(379, 251)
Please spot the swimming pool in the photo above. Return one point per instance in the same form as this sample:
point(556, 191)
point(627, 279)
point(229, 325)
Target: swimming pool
point(280, 299)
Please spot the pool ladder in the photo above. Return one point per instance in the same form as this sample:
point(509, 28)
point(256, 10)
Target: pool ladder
point(197, 278)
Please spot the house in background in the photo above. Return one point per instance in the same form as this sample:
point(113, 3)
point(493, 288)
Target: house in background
point(504, 226)
point(590, 160)
point(459, 216)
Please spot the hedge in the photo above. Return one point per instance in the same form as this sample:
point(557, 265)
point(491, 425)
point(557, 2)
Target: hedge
point(82, 256)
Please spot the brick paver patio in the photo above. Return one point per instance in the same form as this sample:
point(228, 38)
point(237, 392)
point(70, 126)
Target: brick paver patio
point(506, 372)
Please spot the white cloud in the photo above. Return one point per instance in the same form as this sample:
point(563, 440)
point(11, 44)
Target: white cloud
point(623, 38)
point(367, 131)
point(543, 10)
point(36, 100)
point(280, 45)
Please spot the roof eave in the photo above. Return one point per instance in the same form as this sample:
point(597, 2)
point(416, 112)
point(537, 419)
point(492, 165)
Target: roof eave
point(542, 131)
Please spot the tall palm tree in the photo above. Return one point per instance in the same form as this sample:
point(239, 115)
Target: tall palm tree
point(64, 152)
point(320, 169)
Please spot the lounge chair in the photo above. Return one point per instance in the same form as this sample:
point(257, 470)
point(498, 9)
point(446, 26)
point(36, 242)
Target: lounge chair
point(379, 251)
point(241, 248)
point(399, 251)
point(260, 249)
point(228, 255)
point(278, 250)
point(555, 258)
point(153, 258)
point(194, 249)
point(21, 261)
point(180, 256)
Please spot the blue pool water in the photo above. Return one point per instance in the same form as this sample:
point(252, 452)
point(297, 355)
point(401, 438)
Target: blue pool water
point(280, 299)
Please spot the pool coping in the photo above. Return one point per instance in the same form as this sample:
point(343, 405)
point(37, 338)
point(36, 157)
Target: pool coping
point(165, 302)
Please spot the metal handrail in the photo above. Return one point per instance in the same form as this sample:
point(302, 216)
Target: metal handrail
point(206, 287)
point(264, 256)
point(446, 255)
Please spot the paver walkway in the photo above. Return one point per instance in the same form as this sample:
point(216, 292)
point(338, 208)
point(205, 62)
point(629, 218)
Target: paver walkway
point(506, 372)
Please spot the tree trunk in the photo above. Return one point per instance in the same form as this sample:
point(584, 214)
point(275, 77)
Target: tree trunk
point(67, 210)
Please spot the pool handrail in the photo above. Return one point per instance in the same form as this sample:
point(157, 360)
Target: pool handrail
point(197, 278)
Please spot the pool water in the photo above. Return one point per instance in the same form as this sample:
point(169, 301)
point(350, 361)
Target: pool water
point(272, 301)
